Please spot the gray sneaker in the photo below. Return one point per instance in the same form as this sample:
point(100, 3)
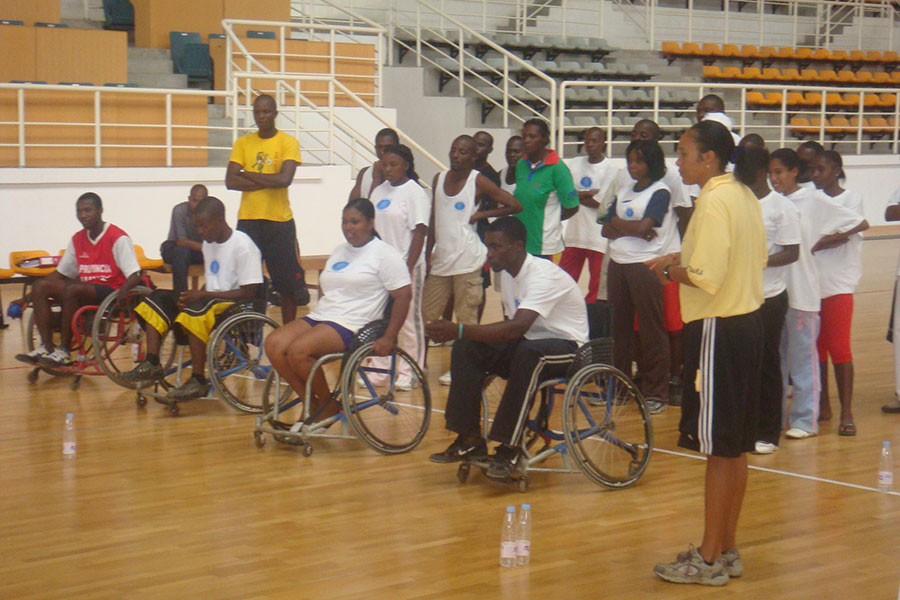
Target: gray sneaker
point(34, 356)
point(145, 371)
point(190, 390)
point(733, 565)
point(689, 567)
point(655, 407)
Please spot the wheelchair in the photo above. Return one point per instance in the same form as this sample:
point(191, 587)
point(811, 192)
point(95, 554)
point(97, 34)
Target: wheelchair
point(604, 431)
point(106, 340)
point(388, 419)
point(236, 363)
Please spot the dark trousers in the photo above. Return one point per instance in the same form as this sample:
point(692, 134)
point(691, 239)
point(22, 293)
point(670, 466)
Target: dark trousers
point(523, 363)
point(180, 259)
point(633, 288)
point(768, 427)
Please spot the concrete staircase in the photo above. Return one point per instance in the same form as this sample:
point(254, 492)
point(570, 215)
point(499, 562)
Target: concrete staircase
point(217, 118)
point(152, 68)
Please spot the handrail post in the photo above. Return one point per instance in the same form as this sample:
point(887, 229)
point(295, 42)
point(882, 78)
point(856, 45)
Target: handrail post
point(691, 20)
point(651, 25)
point(282, 47)
point(784, 115)
point(330, 121)
point(727, 20)
point(462, 68)
point(379, 71)
point(20, 101)
point(505, 91)
point(760, 6)
point(896, 122)
point(98, 159)
point(794, 32)
point(168, 130)
point(418, 35)
point(561, 129)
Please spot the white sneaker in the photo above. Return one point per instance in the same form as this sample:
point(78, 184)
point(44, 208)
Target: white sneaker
point(58, 358)
point(765, 448)
point(444, 379)
point(795, 433)
point(403, 385)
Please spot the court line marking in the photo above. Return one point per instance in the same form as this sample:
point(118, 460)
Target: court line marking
point(788, 473)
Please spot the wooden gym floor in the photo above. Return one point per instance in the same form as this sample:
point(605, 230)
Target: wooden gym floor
point(187, 507)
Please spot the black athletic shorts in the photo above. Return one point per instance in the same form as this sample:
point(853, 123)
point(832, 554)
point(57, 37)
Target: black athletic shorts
point(277, 241)
point(102, 291)
point(722, 362)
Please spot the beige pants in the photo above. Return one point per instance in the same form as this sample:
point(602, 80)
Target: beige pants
point(467, 292)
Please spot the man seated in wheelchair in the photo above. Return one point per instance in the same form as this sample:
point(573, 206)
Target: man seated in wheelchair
point(233, 270)
point(359, 277)
point(98, 260)
point(546, 322)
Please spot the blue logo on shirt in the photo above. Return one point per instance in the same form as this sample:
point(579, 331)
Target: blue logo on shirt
point(383, 204)
point(517, 302)
point(629, 212)
point(586, 182)
point(459, 205)
point(340, 266)
point(214, 266)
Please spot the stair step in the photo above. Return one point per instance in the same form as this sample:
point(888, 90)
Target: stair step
point(158, 80)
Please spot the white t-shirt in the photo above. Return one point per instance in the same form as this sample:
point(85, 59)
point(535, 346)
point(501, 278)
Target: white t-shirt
point(782, 221)
point(819, 216)
point(457, 247)
point(546, 289)
point(123, 254)
point(630, 206)
point(356, 284)
point(582, 230)
point(840, 269)
point(397, 212)
point(679, 197)
point(508, 187)
point(231, 264)
point(895, 199)
point(807, 185)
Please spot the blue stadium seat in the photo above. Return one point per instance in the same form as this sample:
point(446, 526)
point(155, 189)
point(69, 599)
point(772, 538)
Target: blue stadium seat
point(42, 24)
point(120, 85)
point(217, 36)
point(11, 22)
point(118, 14)
point(178, 40)
point(23, 81)
point(263, 35)
point(196, 63)
point(75, 83)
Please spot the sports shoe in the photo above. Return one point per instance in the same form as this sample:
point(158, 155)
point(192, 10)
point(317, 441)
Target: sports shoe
point(34, 356)
point(689, 567)
point(503, 464)
point(459, 450)
point(891, 407)
point(190, 390)
point(444, 379)
point(145, 371)
point(403, 385)
point(656, 407)
point(58, 358)
point(733, 565)
point(765, 448)
point(675, 391)
point(795, 433)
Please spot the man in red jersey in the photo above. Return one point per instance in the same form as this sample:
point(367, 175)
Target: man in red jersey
point(99, 260)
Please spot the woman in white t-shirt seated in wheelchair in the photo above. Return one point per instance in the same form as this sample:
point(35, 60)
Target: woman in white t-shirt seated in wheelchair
point(358, 278)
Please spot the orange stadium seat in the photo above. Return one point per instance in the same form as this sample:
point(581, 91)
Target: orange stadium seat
point(17, 257)
point(850, 101)
point(784, 52)
point(690, 48)
point(895, 76)
point(827, 75)
point(729, 50)
point(672, 48)
point(774, 98)
point(875, 125)
point(809, 75)
point(812, 99)
point(148, 264)
point(801, 126)
point(756, 99)
point(863, 77)
point(790, 75)
point(856, 56)
point(845, 76)
point(838, 125)
point(748, 51)
point(833, 99)
point(750, 73)
point(874, 56)
point(712, 72)
point(765, 52)
point(881, 78)
point(803, 53)
point(771, 74)
point(887, 100)
point(890, 56)
point(821, 54)
point(794, 99)
point(731, 73)
point(840, 55)
point(710, 50)
point(871, 100)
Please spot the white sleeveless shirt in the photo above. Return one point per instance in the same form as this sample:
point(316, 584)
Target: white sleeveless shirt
point(457, 247)
point(630, 206)
point(365, 184)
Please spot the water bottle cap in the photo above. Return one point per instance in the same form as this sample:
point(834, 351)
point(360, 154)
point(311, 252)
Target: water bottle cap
point(510, 509)
point(70, 415)
point(526, 507)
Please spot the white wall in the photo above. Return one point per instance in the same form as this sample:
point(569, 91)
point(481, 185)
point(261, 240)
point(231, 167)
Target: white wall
point(39, 204)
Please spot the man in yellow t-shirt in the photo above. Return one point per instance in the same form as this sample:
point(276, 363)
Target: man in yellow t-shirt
point(261, 167)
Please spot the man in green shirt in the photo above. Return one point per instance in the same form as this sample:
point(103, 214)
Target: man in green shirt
point(545, 188)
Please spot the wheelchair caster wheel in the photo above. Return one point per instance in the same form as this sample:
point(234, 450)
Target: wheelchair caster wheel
point(141, 401)
point(463, 472)
point(76, 383)
point(522, 484)
point(173, 410)
point(307, 450)
point(32, 377)
point(259, 439)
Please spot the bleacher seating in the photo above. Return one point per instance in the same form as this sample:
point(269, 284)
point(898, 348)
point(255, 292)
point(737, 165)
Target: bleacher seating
point(806, 76)
point(767, 55)
point(196, 63)
point(118, 14)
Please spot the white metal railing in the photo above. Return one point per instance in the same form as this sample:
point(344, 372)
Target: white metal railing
point(833, 24)
point(618, 105)
point(446, 43)
point(236, 50)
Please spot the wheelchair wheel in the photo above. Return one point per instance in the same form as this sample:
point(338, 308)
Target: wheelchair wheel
point(117, 337)
point(32, 340)
point(390, 420)
point(607, 426)
point(237, 362)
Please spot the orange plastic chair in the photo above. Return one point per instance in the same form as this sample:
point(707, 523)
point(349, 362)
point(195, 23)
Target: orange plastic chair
point(833, 99)
point(145, 263)
point(839, 55)
point(729, 50)
point(801, 126)
point(750, 73)
point(6, 273)
point(890, 56)
point(712, 72)
point(887, 100)
point(837, 125)
point(881, 77)
point(856, 56)
point(803, 53)
point(748, 51)
point(790, 75)
point(895, 76)
point(876, 125)
point(755, 99)
point(710, 50)
point(731, 73)
point(794, 99)
point(784, 52)
point(671, 48)
point(845, 77)
point(827, 75)
point(773, 98)
point(771, 74)
point(821, 54)
point(871, 100)
point(765, 52)
point(809, 75)
point(863, 77)
point(812, 99)
point(16, 257)
point(691, 48)
point(874, 56)
point(850, 100)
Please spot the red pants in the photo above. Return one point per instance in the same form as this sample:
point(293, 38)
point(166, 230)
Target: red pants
point(836, 317)
point(572, 261)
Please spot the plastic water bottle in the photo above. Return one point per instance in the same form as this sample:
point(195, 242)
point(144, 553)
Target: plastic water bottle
point(69, 437)
point(523, 536)
point(508, 538)
point(885, 469)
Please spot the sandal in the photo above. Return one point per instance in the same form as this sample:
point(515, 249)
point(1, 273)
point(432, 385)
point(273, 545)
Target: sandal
point(847, 429)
